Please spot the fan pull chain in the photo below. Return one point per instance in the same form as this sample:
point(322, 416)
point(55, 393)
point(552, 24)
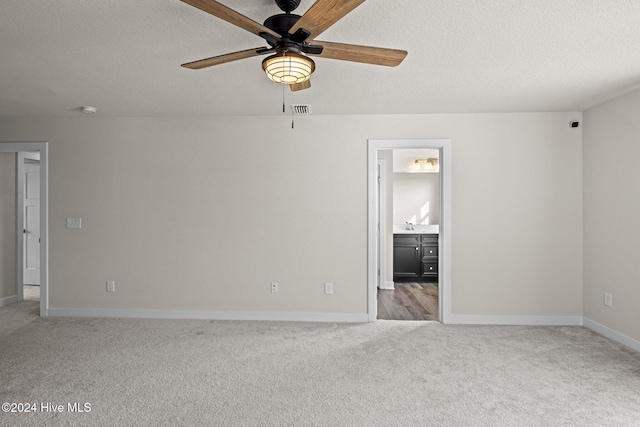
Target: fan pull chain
point(292, 116)
point(284, 110)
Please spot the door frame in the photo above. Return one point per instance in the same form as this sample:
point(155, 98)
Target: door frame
point(381, 220)
point(43, 148)
point(444, 241)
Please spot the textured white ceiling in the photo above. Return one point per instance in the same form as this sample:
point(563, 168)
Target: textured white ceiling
point(464, 56)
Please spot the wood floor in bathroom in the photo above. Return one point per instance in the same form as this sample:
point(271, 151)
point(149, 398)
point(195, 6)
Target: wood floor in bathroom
point(409, 301)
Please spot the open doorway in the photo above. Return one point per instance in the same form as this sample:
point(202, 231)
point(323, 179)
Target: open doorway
point(429, 276)
point(28, 206)
point(30, 226)
point(412, 203)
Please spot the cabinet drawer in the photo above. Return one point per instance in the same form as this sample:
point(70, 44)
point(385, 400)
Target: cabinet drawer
point(429, 251)
point(430, 267)
point(429, 239)
point(405, 239)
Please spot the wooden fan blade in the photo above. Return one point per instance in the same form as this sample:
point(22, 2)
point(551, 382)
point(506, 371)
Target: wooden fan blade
point(221, 59)
point(323, 14)
point(231, 16)
point(300, 86)
point(365, 54)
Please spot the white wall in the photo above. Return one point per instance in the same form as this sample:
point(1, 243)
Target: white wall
point(416, 198)
point(7, 225)
point(203, 213)
point(612, 210)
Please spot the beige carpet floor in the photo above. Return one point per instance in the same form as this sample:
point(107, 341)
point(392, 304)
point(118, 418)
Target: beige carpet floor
point(389, 373)
point(15, 316)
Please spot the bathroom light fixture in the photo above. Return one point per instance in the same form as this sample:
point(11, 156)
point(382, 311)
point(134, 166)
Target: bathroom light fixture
point(430, 165)
point(288, 68)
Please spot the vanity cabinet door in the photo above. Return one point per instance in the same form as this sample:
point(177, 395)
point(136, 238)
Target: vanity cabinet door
point(406, 257)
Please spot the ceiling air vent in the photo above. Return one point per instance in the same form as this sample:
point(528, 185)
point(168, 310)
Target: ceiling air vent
point(301, 109)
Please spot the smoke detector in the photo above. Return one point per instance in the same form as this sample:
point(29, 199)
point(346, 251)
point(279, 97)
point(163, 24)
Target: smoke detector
point(87, 109)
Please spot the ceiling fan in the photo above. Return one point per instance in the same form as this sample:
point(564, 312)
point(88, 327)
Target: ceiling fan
point(291, 38)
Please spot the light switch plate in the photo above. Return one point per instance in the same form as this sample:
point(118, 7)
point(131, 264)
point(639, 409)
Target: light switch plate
point(74, 222)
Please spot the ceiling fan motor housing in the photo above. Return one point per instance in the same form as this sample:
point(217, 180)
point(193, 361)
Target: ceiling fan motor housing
point(281, 23)
point(288, 5)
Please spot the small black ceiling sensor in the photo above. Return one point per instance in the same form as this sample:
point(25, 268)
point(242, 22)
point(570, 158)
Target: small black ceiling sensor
point(574, 124)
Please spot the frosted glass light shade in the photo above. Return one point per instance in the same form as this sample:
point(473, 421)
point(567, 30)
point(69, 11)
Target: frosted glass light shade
point(289, 68)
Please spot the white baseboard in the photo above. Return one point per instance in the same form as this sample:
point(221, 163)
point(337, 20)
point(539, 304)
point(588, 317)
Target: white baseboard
point(470, 319)
point(211, 315)
point(457, 319)
point(303, 316)
point(388, 285)
point(8, 300)
point(611, 334)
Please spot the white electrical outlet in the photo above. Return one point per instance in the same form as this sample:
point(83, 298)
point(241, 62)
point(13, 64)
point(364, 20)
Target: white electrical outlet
point(274, 286)
point(328, 288)
point(608, 299)
point(111, 286)
point(74, 222)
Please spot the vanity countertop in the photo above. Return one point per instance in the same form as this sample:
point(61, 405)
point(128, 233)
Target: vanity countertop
point(417, 229)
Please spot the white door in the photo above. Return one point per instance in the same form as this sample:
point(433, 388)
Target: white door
point(31, 254)
point(378, 231)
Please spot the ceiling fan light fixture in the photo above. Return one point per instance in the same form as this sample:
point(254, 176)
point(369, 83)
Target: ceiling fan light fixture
point(288, 68)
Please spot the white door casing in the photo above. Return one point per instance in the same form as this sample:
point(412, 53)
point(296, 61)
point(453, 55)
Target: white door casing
point(444, 242)
point(28, 149)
